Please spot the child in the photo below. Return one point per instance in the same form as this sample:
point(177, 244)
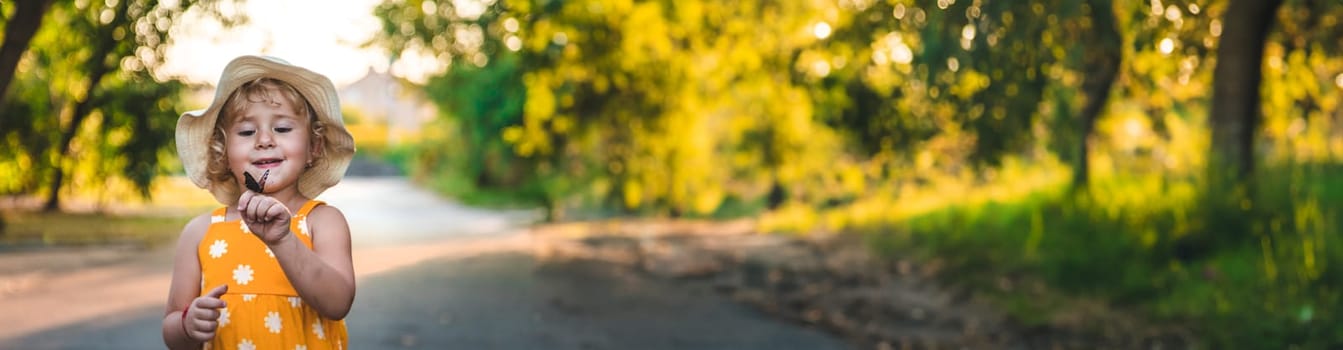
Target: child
point(270, 270)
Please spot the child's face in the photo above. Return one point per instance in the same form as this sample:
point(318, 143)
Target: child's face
point(269, 135)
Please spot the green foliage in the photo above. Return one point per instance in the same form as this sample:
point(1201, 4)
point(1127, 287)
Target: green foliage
point(636, 105)
point(85, 108)
point(484, 101)
point(675, 107)
point(26, 135)
point(872, 115)
point(1150, 253)
point(137, 128)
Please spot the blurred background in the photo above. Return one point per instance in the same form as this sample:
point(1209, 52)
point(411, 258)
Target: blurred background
point(1175, 161)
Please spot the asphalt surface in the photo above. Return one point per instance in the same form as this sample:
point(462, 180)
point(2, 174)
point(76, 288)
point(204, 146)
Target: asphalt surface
point(432, 275)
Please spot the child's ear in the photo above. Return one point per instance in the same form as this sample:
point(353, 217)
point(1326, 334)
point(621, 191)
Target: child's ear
point(316, 149)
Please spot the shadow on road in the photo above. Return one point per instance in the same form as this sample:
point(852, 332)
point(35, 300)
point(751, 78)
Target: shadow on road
point(506, 300)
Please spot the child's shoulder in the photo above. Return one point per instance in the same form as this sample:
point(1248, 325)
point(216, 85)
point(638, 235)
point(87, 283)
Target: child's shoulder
point(198, 225)
point(328, 218)
point(326, 212)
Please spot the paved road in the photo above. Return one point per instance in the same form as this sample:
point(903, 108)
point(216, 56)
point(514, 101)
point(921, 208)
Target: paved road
point(432, 274)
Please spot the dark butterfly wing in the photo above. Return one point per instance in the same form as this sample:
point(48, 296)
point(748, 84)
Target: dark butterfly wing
point(261, 185)
point(251, 182)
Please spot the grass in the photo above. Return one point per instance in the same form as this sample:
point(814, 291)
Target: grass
point(1247, 268)
point(96, 218)
point(1239, 266)
point(66, 229)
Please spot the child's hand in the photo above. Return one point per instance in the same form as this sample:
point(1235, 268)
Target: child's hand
point(265, 216)
point(202, 316)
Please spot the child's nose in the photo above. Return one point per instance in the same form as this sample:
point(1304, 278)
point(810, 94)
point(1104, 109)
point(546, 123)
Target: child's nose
point(265, 139)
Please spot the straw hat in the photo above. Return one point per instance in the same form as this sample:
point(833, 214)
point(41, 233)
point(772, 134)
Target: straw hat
point(195, 127)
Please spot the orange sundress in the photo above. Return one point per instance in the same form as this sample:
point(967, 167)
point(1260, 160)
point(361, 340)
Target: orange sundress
point(264, 311)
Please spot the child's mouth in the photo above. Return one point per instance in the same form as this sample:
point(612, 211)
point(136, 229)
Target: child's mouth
point(267, 163)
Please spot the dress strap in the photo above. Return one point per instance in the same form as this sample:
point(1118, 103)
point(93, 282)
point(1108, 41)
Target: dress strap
point(300, 223)
point(308, 207)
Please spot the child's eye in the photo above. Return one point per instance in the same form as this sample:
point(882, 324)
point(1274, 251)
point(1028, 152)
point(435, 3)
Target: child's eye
point(246, 133)
point(283, 129)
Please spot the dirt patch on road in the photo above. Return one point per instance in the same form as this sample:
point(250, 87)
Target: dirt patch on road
point(836, 284)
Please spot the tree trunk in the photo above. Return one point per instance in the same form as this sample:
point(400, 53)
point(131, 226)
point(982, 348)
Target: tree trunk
point(19, 32)
point(82, 111)
point(97, 69)
point(1235, 89)
point(1102, 61)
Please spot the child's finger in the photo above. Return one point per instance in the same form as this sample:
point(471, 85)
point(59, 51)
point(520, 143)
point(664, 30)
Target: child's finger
point(218, 291)
point(206, 314)
point(242, 200)
point(250, 212)
point(276, 211)
point(207, 326)
point(208, 303)
point(198, 335)
point(211, 300)
point(260, 213)
point(206, 329)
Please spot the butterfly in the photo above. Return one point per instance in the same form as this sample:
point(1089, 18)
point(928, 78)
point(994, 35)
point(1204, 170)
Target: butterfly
point(252, 184)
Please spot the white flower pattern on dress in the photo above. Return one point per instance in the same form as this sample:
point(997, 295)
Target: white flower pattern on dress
point(303, 226)
point(243, 274)
point(273, 322)
point(218, 248)
point(317, 329)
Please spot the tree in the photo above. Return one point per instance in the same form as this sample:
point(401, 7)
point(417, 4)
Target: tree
point(1101, 59)
point(962, 79)
point(1235, 99)
point(680, 106)
point(85, 58)
point(19, 31)
point(1298, 102)
point(650, 98)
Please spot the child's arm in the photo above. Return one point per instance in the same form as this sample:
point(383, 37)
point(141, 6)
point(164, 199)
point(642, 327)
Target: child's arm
point(185, 285)
point(324, 275)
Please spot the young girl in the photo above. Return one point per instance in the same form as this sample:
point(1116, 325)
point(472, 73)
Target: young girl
point(271, 269)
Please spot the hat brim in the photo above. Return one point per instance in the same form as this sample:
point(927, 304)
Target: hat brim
point(194, 128)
